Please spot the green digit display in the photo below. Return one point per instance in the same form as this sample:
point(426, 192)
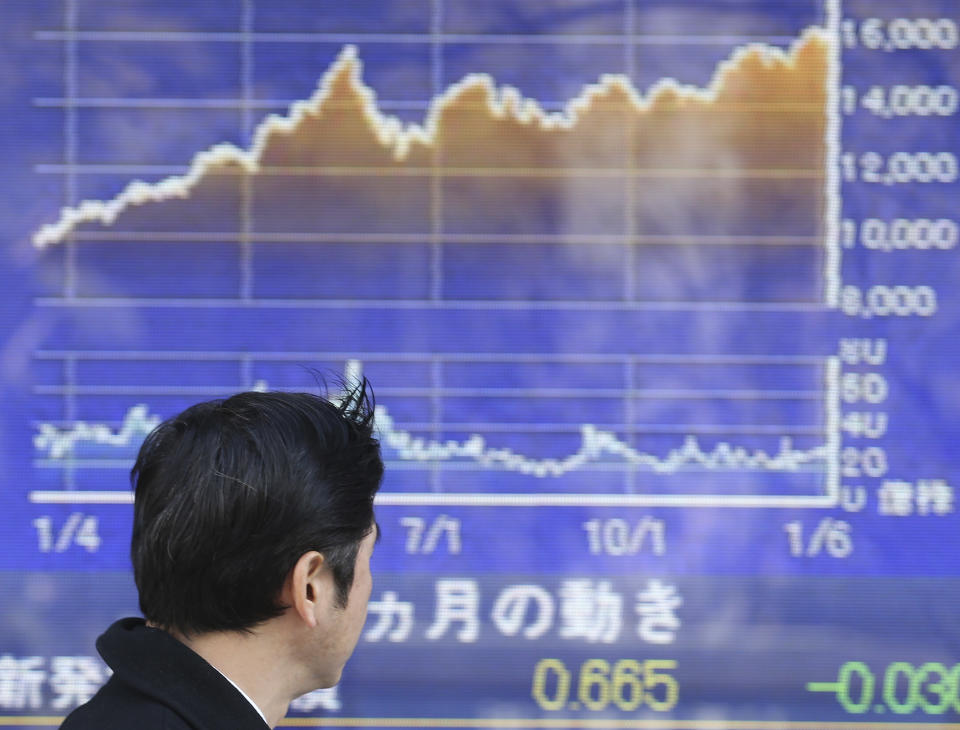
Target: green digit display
point(932, 688)
point(943, 688)
point(954, 682)
point(867, 682)
point(890, 679)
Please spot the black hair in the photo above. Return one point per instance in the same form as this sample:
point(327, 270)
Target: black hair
point(231, 493)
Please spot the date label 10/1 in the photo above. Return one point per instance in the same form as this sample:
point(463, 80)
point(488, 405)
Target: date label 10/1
point(617, 536)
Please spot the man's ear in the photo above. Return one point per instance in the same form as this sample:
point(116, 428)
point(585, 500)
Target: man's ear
point(309, 587)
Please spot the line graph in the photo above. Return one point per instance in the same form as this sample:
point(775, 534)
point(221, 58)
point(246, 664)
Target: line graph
point(80, 444)
point(587, 212)
point(377, 140)
point(427, 179)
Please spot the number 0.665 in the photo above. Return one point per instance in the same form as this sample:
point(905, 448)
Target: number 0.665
point(626, 684)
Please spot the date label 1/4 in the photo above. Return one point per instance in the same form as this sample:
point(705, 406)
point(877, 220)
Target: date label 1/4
point(77, 530)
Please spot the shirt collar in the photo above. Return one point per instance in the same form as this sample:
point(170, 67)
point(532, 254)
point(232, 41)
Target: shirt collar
point(245, 695)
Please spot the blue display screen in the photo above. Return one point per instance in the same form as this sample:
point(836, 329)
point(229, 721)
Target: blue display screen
point(658, 300)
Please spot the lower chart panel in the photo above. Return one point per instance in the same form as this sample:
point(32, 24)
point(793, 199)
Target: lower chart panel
point(510, 430)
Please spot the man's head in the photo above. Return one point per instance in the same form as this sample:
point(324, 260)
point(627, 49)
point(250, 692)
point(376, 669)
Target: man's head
point(232, 494)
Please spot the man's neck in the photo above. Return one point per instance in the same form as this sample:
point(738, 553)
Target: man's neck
point(252, 663)
point(247, 697)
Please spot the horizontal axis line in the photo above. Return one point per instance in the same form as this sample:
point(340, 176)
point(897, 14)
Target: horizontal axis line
point(428, 392)
point(413, 38)
point(690, 239)
point(231, 103)
point(445, 171)
point(459, 357)
point(427, 466)
point(477, 304)
point(637, 429)
point(507, 499)
point(213, 103)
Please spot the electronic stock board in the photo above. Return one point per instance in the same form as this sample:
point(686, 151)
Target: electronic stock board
point(658, 299)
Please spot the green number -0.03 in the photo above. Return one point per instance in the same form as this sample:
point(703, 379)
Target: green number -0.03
point(931, 688)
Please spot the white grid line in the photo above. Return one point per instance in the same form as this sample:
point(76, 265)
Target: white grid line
point(436, 417)
point(70, 83)
point(434, 392)
point(416, 38)
point(447, 466)
point(629, 181)
point(246, 128)
point(506, 171)
point(436, 156)
point(68, 476)
point(427, 357)
point(225, 103)
point(246, 71)
point(832, 418)
point(833, 259)
point(284, 104)
point(429, 499)
point(689, 239)
point(70, 70)
point(648, 429)
point(246, 371)
point(472, 304)
point(629, 416)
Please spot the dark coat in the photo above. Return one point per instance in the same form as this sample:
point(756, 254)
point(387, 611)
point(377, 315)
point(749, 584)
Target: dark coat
point(160, 684)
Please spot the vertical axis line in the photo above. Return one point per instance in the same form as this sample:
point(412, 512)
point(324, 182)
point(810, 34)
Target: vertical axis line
point(832, 427)
point(436, 415)
point(70, 141)
point(436, 155)
point(246, 127)
point(630, 183)
point(629, 415)
point(246, 371)
point(70, 182)
point(833, 259)
point(70, 415)
point(246, 71)
point(436, 225)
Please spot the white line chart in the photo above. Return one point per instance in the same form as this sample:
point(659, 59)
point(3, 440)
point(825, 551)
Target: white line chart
point(402, 147)
point(63, 446)
point(408, 156)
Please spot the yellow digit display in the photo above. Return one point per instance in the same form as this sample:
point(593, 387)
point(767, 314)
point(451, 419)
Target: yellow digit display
point(626, 684)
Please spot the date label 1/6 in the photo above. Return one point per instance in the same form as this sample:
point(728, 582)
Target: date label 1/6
point(828, 537)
